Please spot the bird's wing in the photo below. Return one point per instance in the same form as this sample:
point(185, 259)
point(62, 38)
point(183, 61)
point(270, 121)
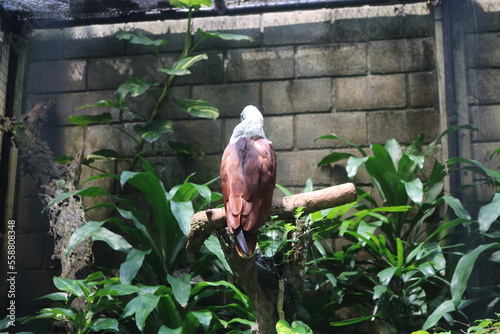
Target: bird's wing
point(248, 177)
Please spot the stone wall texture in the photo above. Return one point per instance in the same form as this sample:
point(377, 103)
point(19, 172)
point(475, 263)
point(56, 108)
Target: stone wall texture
point(366, 73)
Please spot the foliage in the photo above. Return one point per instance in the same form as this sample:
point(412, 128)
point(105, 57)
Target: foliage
point(149, 285)
point(297, 327)
point(482, 326)
point(398, 262)
point(151, 127)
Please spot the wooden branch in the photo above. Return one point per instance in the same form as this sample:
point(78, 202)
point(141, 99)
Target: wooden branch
point(205, 222)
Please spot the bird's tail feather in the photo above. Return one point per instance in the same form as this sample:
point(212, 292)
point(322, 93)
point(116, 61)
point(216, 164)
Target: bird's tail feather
point(245, 242)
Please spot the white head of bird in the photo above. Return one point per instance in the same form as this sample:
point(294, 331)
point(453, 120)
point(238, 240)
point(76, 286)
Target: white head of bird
point(251, 126)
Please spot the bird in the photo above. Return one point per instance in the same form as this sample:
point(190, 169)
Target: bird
point(248, 179)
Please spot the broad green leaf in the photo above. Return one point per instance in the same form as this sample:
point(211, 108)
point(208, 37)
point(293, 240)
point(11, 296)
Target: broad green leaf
point(165, 330)
point(196, 4)
point(489, 213)
point(353, 164)
point(216, 34)
point(81, 233)
point(445, 307)
point(137, 38)
point(478, 167)
point(463, 270)
point(336, 137)
point(385, 276)
point(183, 213)
point(68, 285)
point(141, 306)
point(415, 190)
point(181, 288)
point(394, 150)
point(133, 86)
point(104, 154)
point(185, 148)
point(457, 207)
point(213, 245)
point(56, 296)
point(85, 120)
point(60, 311)
point(130, 267)
point(237, 294)
point(115, 241)
point(181, 66)
point(353, 320)
point(104, 103)
point(204, 317)
point(63, 159)
point(334, 157)
point(153, 130)
point(378, 291)
point(104, 324)
point(198, 108)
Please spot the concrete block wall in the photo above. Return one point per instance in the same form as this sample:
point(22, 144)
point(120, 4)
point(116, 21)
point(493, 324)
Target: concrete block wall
point(482, 61)
point(367, 74)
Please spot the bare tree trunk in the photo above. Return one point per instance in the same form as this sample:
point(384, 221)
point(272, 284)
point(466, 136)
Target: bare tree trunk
point(274, 285)
point(52, 179)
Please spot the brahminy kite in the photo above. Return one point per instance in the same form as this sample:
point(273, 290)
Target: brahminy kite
point(248, 177)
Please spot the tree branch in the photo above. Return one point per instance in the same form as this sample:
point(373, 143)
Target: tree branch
point(205, 222)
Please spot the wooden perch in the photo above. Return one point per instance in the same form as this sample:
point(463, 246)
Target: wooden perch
point(205, 222)
point(273, 284)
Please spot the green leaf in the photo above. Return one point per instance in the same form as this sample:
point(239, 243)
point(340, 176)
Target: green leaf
point(196, 4)
point(213, 245)
point(489, 213)
point(104, 154)
point(224, 36)
point(198, 108)
point(68, 285)
point(181, 66)
point(181, 288)
point(334, 157)
point(463, 270)
point(336, 137)
point(133, 86)
point(56, 296)
point(457, 207)
point(141, 306)
point(129, 268)
point(115, 241)
point(204, 317)
point(353, 321)
point(81, 233)
point(385, 276)
point(85, 120)
point(353, 164)
point(103, 103)
point(183, 213)
point(184, 148)
point(137, 38)
point(102, 324)
point(165, 330)
point(394, 150)
point(445, 307)
point(153, 130)
point(415, 190)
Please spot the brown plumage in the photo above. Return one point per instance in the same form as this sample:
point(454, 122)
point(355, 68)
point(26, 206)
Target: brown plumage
point(248, 178)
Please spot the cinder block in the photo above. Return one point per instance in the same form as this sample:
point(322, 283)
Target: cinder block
point(230, 99)
point(67, 104)
point(173, 31)
point(332, 60)
point(404, 126)
point(174, 169)
point(92, 41)
point(146, 104)
point(487, 120)
point(205, 169)
point(285, 97)
point(484, 86)
point(255, 64)
point(45, 44)
point(57, 76)
point(351, 126)
point(297, 27)
point(366, 93)
point(248, 25)
point(110, 73)
point(201, 133)
point(423, 91)
point(483, 16)
point(483, 49)
point(99, 137)
point(407, 55)
point(294, 168)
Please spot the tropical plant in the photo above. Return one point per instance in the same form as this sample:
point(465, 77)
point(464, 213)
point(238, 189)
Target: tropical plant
point(151, 127)
point(397, 260)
